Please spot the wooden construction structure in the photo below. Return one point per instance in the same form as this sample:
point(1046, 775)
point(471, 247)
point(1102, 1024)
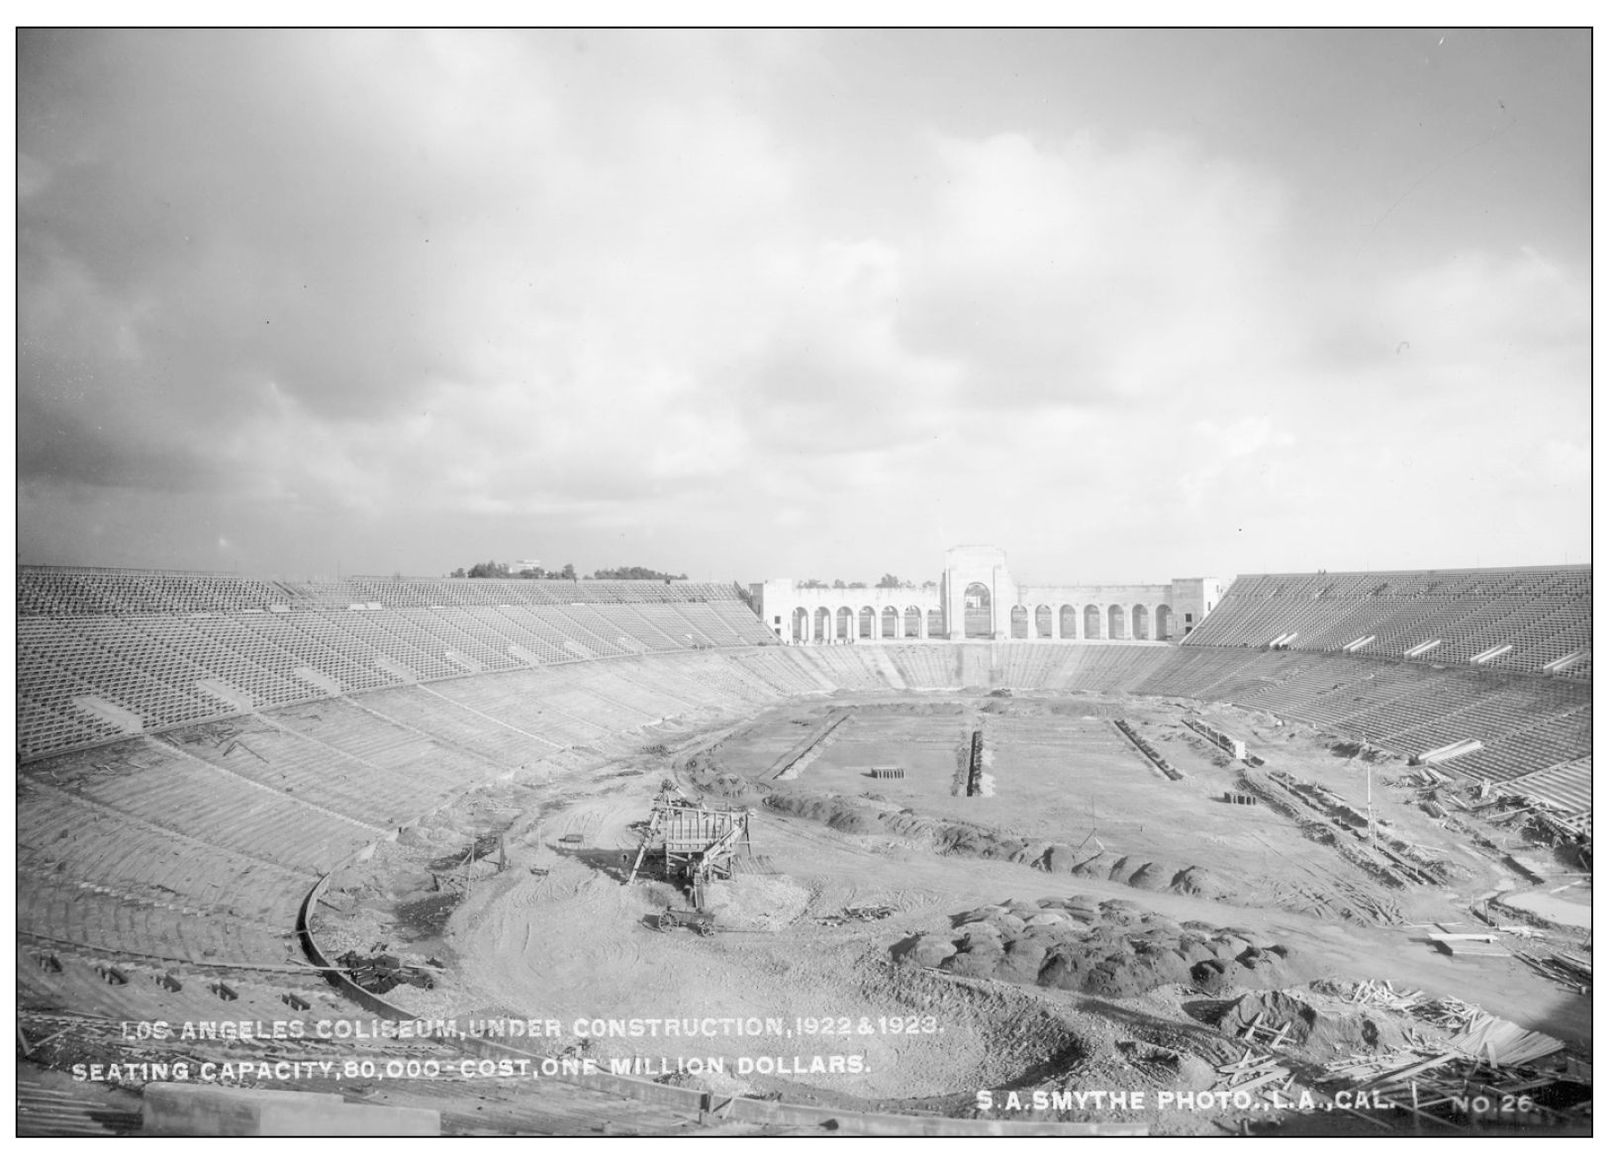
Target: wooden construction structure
point(697, 843)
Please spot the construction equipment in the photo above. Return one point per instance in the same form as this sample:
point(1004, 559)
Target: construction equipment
point(380, 972)
point(856, 914)
point(697, 844)
point(700, 921)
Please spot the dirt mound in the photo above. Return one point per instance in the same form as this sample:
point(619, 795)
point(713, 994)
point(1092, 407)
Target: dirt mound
point(1317, 1027)
point(858, 816)
point(710, 777)
point(1113, 949)
point(756, 902)
point(1150, 876)
point(849, 815)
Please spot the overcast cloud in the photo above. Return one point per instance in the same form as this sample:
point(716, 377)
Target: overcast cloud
point(748, 305)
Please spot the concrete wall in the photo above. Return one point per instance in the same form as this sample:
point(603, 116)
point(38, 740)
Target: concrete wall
point(1153, 611)
point(781, 598)
point(1194, 598)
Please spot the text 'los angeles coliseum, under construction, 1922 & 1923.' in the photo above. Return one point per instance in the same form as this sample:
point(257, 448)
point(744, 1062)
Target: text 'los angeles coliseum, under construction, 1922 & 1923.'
point(1281, 850)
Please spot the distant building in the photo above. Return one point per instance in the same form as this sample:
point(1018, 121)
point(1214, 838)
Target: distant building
point(978, 599)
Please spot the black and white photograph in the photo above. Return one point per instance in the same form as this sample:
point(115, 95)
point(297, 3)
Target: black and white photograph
point(811, 580)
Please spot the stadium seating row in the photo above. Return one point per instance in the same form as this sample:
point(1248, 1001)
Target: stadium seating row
point(87, 678)
point(71, 591)
point(1524, 620)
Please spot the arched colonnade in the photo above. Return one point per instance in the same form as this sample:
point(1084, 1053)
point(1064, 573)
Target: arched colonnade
point(1069, 622)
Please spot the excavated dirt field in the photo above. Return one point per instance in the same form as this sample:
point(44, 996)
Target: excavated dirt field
point(1061, 914)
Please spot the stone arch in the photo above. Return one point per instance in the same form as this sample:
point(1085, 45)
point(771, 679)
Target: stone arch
point(868, 623)
point(890, 623)
point(977, 611)
point(1140, 621)
point(913, 622)
point(801, 625)
point(845, 623)
point(1164, 622)
point(1092, 623)
point(1017, 622)
point(1044, 617)
point(1067, 622)
point(1117, 621)
point(823, 624)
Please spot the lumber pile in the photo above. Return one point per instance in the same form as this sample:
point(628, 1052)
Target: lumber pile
point(1497, 1041)
point(1568, 971)
point(1434, 809)
point(1423, 1080)
point(1573, 964)
point(1256, 1033)
point(1468, 945)
point(1383, 995)
point(1448, 1013)
point(1251, 1072)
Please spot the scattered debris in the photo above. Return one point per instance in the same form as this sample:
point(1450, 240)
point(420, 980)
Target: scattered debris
point(381, 972)
point(856, 914)
point(1382, 995)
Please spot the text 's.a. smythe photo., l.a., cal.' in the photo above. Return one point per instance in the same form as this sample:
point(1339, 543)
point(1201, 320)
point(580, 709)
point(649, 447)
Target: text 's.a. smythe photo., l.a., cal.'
point(878, 582)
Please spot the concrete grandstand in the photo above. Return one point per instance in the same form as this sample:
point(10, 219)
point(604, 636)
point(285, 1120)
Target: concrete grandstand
point(199, 753)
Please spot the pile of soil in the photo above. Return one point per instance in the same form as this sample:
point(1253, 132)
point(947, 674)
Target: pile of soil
point(756, 902)
point(1112, 949)
point(713, 779)
point(857, 816)
point(1318, 1028)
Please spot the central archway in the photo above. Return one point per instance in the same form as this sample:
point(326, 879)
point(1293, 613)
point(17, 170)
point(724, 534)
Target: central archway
point(977, 611)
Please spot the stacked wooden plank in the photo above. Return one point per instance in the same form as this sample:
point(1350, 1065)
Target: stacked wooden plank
point(1251, 1072)
point(1569, 972)
point(1361, 1067)
point(1424, 1079)
point(1383, 995)
point(1468, 945)
point(1448, 1013)
point(1497, 1041)
point(1256, 1033)
point(1573, 964)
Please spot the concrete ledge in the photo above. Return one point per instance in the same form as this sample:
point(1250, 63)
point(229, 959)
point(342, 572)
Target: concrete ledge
point(169, 1108)
point(173, 1109)
point(349, 1121)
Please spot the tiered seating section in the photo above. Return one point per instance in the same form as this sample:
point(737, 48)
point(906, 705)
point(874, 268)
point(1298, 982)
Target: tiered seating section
point(272, 743)
point(1541, 615)
point(106, 653)
point(1525, 721)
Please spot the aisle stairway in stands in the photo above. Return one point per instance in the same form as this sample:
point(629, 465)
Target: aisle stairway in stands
point(195, 751)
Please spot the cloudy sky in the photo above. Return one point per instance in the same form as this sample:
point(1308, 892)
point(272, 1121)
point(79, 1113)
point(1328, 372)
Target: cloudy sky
point(1130, 305)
